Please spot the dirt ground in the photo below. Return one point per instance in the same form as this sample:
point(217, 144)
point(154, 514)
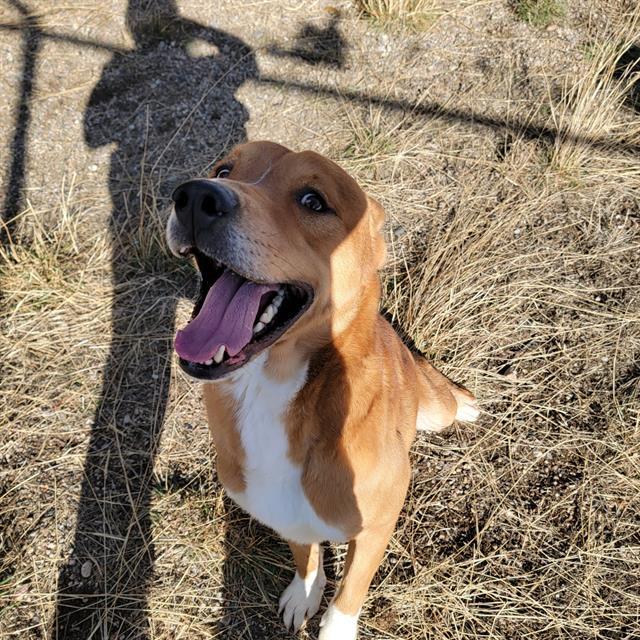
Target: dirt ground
point(505, 151)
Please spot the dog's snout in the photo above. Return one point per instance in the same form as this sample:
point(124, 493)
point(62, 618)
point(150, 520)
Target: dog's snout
point(197, 202)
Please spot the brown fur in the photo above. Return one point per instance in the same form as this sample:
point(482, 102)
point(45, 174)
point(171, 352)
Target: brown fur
point(221, 415)
point(306, 558)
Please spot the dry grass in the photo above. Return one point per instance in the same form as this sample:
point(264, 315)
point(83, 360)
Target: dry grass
point(539, 13)
point(408, 12)
point(594, 108)
point(514, 264)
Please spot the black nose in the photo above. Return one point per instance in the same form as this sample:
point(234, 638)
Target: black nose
point(197, 202)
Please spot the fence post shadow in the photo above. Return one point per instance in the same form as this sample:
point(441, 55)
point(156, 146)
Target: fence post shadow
point(15, 177)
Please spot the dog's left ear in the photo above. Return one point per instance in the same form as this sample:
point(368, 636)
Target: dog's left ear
point(376, 220)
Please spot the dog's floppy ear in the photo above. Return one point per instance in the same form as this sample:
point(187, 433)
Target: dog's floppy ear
point(376, 220)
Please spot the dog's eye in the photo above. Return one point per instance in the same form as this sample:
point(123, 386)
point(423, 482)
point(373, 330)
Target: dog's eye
point(313, 200)
point(223, 172)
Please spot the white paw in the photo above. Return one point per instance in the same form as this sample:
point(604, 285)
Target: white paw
point(467, 410)
point(301, 599)
point(336, 625)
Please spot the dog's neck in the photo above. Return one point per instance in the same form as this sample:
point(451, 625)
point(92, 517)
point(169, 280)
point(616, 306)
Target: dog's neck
point(354, 338)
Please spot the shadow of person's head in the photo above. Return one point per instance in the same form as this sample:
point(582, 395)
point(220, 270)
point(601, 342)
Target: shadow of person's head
point(168, 109)
point(317, 45)
point(150, 20)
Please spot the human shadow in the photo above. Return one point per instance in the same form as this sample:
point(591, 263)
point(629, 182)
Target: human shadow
point(168, 106)
point(15, 178)
point(317, 45)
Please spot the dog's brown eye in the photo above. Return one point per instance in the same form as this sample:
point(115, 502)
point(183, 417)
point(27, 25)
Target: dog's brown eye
point(314, 201)
point(223, 172)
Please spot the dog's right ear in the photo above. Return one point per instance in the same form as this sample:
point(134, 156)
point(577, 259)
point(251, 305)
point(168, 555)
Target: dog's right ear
point(376, 221)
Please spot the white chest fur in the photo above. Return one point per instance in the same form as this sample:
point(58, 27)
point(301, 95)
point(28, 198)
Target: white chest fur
point(273, 489)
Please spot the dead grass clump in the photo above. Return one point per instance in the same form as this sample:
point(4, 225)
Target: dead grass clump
point(539, 13)
point(54, 286)
point(55, 333)
point(415, 13)
point(594, 108)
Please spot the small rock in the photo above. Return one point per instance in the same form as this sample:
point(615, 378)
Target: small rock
point(85, 570)
point(21, 592)
point(93, 167)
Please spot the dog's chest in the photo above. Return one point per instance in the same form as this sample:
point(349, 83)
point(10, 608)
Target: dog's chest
point(273, 484)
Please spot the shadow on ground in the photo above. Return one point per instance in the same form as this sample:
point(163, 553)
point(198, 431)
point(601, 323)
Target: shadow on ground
point(15, 175)
point(628, 67)
point(168, 113)
point(316, 45)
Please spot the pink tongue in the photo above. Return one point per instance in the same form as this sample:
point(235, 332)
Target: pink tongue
point(226, 318)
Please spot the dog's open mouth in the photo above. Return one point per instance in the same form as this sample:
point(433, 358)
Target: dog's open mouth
point(235, 318)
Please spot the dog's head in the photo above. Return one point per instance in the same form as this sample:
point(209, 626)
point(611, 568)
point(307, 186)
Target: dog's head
point(287, 245)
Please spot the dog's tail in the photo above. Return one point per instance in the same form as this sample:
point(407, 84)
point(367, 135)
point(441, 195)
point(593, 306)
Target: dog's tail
point(441, 400)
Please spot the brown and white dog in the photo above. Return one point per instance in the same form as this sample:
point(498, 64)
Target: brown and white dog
point(313, 400)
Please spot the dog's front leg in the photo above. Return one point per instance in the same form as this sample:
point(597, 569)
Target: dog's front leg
point(340, 622)
point(301, 599)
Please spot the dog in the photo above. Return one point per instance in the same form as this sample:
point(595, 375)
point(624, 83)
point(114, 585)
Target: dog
point(312, 400)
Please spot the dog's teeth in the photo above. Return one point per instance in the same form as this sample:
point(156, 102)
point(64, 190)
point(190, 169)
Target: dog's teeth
point(268, 314)
point(209, 361)
point(259, 327)
point(219, 354)
point(277, 301)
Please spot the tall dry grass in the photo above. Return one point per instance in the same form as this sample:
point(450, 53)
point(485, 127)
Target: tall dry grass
point(409, 12)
